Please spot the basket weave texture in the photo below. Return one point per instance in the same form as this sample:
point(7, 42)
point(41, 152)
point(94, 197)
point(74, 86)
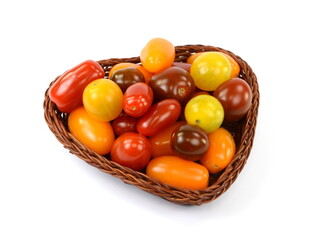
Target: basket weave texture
point(243, 132)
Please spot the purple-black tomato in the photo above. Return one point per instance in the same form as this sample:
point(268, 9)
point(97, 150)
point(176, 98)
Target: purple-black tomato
point(127, 76)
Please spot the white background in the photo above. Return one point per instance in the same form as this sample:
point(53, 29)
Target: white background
point(47, 193)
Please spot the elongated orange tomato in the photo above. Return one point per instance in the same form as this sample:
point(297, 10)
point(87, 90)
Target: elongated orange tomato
point(220, 152)
point(158, 54)
point(178, 172)
point(95, 135)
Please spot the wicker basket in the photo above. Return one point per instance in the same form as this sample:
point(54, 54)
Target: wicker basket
point(243, 132)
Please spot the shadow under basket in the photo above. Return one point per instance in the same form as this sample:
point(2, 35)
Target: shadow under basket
point(242, 131)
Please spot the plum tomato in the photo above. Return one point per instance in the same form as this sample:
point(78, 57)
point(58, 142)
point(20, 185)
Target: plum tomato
point(138, 99)
point(95, 135)
point(67, 90)
point(157, 55)
point(235, 96)
point(160, 116)
point(131, 150)
point(178, 172)
point(220, 152)
point(189, 142)
point(185, 66)
point(205, 111)
point(124, 123)
point(209, 70)
point(160, 143)
point(174, 83)
point(126, 77)
point(103, 99)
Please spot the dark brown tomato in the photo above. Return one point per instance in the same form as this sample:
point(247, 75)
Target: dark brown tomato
point(174, 82)
point(126, 77)
point(185, 66)
point(235, 96)
point(189, 142)
point(124, 123)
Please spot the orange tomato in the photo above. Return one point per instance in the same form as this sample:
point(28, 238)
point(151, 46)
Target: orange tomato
point(235, 67)
point(178, 172)
point(160, 143)
point(157, 55)
point(95, 135)
point(147, 75)
point(220, 152)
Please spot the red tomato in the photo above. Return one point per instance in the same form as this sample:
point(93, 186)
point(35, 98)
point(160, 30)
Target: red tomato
point(67, 91)
point(138, 99)
point(178, 172)
point(124, 123)
point(160, 116)
point(131, 150)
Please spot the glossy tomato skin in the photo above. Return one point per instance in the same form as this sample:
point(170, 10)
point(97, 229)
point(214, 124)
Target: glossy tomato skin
point(67, 91)
point(147, 75)
point(131, 150)
point(174, 83)
point(235, 96)
point(124, 123)
point(178, 172)
point(160, 143)
point(138, 99)
point(189, 142)
point(205, 111)
point(185, 66)
point(221, 151)
point(126, 77)
point(157, 55)
point(160, 116)
point(95, 135)
point(103, 99)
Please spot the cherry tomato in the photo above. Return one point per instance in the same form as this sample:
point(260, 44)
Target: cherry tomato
point(161, 115)
point(160, 143)
point(205, 111)
point(95, 135)
point(189, 142)
point(147, 75)
point(131, 150)
point(235, 96)
point(178, 172)
point(126, 77)
point(157, 55)
point(124, 123)
point(194, 56)
point(220, 152)
point(137, 99)
point(174, 83)
point(185, 66)
point(103, 99)
point(67, 91)
point(209, 70)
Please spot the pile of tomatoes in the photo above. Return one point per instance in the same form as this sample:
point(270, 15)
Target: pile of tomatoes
point(160, 117)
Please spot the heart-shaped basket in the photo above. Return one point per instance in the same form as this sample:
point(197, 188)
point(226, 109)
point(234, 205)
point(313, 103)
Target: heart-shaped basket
point(243, 132)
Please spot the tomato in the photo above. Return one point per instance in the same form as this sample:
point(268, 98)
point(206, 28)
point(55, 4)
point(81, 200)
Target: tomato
point(174, 83)
point(126, 77)
point(235, 96)
point(205, 111)
point(189, 142)
point(67, 91)
point(209, 70)
point(138, 99)
point(161, 115)
point(178, 172)
point(220, 152)
point(103, 99)
point(160, 143)
point(194, 56)
point(147, 75)
point(157, 55)
point(124, 123)
point(131, 150)
point(185, 66)
point(95, 135)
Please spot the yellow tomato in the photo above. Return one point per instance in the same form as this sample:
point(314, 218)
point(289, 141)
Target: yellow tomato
point(95, 135)
point(103, 99)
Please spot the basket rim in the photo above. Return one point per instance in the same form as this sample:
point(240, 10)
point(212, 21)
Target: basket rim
point(174, 194)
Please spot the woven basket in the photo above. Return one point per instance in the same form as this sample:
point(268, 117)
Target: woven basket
point(243, 132)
